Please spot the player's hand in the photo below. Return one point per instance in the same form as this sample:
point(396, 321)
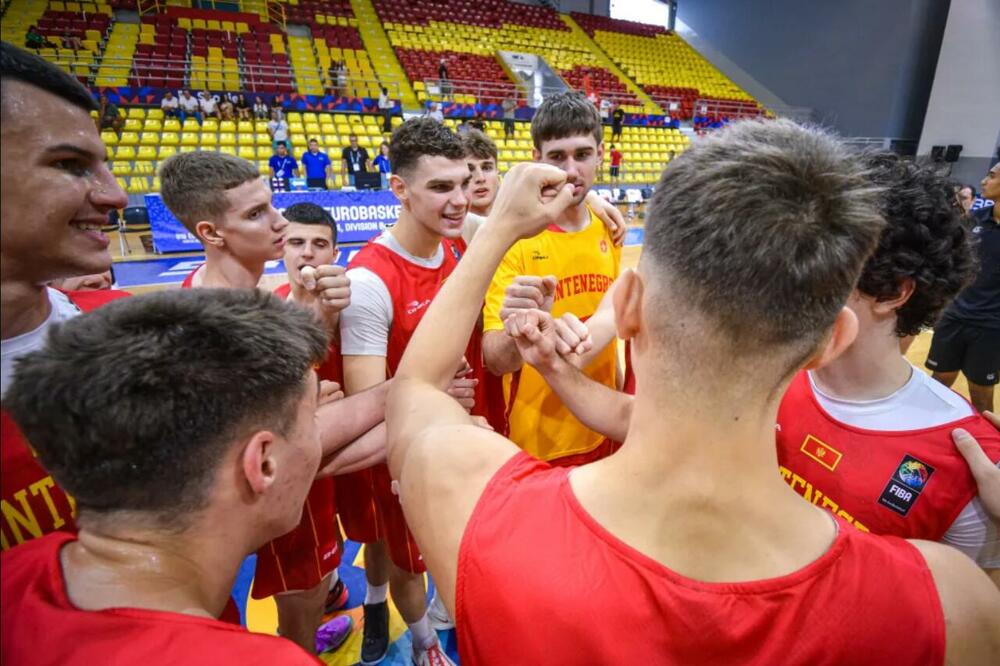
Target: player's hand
point(329, 392)
point(532, 197)
point(986, 474)
point(538, 338)
point(463, 388)
point(610, 216)
point(330, 286)
point(528, 292)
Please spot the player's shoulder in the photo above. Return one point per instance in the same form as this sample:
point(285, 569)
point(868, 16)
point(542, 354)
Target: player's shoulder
point(970, 604)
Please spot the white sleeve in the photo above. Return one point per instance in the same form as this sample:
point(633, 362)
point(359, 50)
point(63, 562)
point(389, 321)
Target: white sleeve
point(976, 535)
point(365, 323)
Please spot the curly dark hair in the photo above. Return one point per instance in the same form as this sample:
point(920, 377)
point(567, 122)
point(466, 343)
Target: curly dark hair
point(924, 240)
point(422, 136)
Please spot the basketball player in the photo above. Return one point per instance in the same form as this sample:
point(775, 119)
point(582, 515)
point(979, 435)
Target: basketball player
point(222, 200)
point(694, 547)
point(581, 255)
point(180, 462)
point(55, 195)
point(868, 436)
point(393, 279)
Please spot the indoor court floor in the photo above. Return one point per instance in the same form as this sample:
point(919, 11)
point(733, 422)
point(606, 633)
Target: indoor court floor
point(261, 616)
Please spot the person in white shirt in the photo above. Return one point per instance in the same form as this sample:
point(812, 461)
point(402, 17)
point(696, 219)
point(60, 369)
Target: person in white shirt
point(385, 106)
point(210, 104)
point(260, 110)
point(434, 111)
point(278, 129)
point(169, 104)
point(189, 106)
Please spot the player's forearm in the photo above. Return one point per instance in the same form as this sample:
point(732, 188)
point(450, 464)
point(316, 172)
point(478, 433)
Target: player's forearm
point(602, 331)
point(500, 353)
point(344, 421)
point(367, 450)
point(599, 407)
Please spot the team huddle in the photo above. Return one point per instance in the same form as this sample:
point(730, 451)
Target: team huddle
point(456, 402)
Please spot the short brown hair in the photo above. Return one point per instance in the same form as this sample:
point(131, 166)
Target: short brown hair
point(155, 437)
point(422, 136)
point(480, 146)
point(193, 184)
point(761, 231)
point(564, 115)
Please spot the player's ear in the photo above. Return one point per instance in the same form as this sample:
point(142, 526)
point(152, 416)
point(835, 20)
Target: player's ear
point(258, 463)
point(842, 335)
point(627, 301)
point(209, 234)
point(398, 187)
point(889, 306)
point(536, 155)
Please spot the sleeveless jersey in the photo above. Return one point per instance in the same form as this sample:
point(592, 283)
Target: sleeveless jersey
point(580, 595)
point(412, 289)
point(910, 483)
point(32, 503)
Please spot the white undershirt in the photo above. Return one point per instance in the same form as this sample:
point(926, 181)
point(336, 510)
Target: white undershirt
point(923, 403)
point(16, 347)
point(365, 323)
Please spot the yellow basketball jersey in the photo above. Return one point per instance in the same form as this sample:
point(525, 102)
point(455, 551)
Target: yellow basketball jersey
point(585, 264)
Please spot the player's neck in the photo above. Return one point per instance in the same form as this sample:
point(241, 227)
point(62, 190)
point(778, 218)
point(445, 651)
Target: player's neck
point(191, 572)
point(698, 475)
point(24, 306)
point(223, 269)
point(481, 211)
point(870, 369)
point(575, 218)
point(414, 237)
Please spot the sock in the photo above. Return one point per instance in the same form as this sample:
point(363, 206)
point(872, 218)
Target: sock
point(423, 636)
point(376, 594)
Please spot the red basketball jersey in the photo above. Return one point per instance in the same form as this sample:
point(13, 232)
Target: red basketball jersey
point(40, 625)
point(33, 504)
point(910, 483)
point(579, 595)
point(412, 288)
point(189, 280)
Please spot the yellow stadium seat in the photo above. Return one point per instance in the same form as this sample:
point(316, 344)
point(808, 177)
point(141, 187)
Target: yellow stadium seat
point(121, 168)
point(109, 137)
point(153, 125)
point(138, 185)
point(190, 139)
point(227, 126)
point(146, 153)
point(248, 152)
point(136, 112)
point(169, 139)
point(210, 125)
point(172, 125)
point(228, 150)
point(150, 138)
point(133, 125)
point(227, 139)
point(213, 24)
point(198, 23)
point(129, 139)
point(209, 141)
point(167, 151)
point(155, 187)
point(125, 153)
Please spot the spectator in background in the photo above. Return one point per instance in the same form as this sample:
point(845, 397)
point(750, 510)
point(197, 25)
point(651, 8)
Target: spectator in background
point(353, 160)
point(443, 80)
point(209, 105)
point(434, 112)
point(605, 108)
point(71, 41)
point(260, 110)
point(283, 165)
point(317, 164)
point(478, 123)
point(509, 107)
point(967, 338)
point(226, 110)
point(277, 128)
point(966, 195)
point(382, 164)
point(109, 116)
point(170, 105)
point(385, 106)
point(463, 127)
point(190, 106)
point(243, 111)
point(36, 40)
point(616, 164)
point(617, 120)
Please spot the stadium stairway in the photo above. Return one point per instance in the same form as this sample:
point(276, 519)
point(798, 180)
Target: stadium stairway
point(387, 66)
point(608, 64)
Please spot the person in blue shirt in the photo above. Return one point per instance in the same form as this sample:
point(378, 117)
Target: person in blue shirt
point(317, 164)
point(382, 164)
point(283, 166)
